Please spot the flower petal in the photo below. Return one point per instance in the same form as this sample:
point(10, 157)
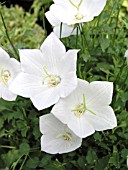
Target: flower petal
point(31, 61)
point(95, 6)
point(46, 98)
point(104, 118)
point(53, 20)
point(26, 85)
point(99, 93)
point(8, 95)
point(52, 50)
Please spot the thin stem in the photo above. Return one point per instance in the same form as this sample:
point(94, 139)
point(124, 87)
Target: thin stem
point(23, 162)
point(60, 30)
point(8, 147)
point(77, 29)
point(17, 56)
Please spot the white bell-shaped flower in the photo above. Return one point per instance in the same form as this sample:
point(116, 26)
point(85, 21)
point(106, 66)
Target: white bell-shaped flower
point(57, 137)
point(87, 108)
point(76, 11)
point(48, 73)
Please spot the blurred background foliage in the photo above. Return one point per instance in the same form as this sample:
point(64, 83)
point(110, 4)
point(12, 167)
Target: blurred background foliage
point(103, 44)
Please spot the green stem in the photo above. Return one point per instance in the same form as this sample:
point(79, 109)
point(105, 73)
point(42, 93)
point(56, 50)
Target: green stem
point(8, 147)
point(23, 162)
point(17, 56)
point(77, 37)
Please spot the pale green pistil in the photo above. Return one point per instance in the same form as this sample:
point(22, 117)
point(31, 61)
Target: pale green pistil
point(4, 75)
point(52, 80)
point(81, 108)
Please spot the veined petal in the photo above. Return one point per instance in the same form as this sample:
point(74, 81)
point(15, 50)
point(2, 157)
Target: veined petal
point(68, 62)
point(81, 127)
point(31, 61)
point(95, 6)
point(48, 122)
point(8, 95)
point(53, 20)
point(103, 119)
point(26, 85)
point(53, 140)
point(53, 50)
point(68, 84)
point(64, 14)
point(46, 98)
point(99, 93)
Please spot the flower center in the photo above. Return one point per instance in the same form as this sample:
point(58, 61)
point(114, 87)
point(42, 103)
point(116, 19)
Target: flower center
point(78, 16)
point(4, 75)
point(67, 136)
point(81, 108)
point(51, 80)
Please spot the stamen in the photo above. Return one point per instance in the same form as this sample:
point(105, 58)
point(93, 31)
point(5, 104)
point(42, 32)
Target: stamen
point(53, 80)
point(4, 75)
point(81, 108)
point(78, 16)
point(67, 136)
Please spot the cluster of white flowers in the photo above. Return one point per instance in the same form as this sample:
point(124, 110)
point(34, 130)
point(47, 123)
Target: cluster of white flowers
point(48, 77)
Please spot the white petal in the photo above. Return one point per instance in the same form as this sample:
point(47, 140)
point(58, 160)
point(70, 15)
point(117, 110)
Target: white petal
point(64, 14)
point(81, 127)
point(68, 84)
point(53, 20)
point(46, 98)
point(52, 141)
point(96, 6)
point(49, 122)
point(3, 55)
point(104, 118)
point(66, 31)
point(99, 93)
point(68, 62)
point(31, 61)
point(53, 51)
point(8, 95)
point(26, 85)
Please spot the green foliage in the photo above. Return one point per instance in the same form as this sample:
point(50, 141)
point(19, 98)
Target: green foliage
point(103, 44)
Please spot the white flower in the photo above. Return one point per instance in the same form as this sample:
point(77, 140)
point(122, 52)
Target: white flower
point(126, 55)
point(57, 137)
point(76, 11)
point(9, 68)
point(87, 108)
point(66, 31)
point(48, 73)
